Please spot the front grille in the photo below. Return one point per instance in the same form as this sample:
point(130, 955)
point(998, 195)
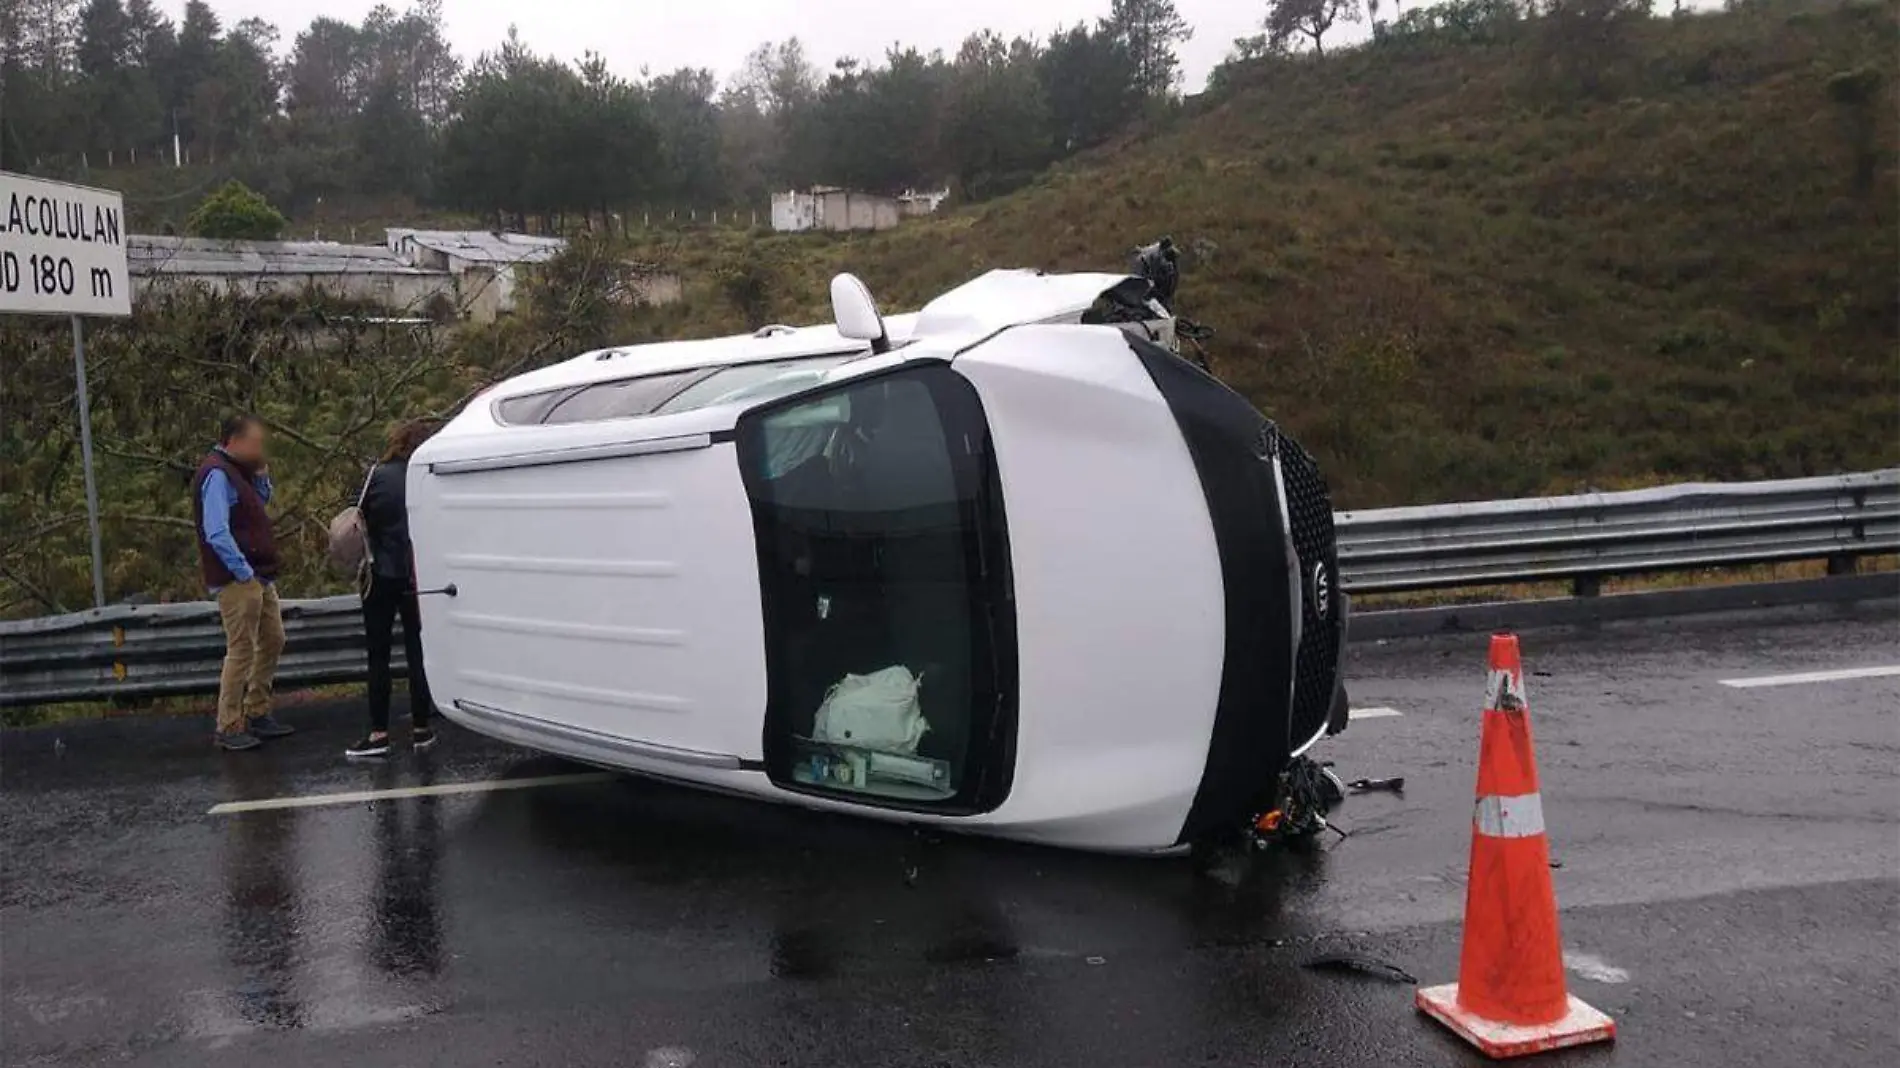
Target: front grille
point(1310, 517)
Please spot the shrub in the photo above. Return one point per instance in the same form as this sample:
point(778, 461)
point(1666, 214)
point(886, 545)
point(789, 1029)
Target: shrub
point(1470, 22)
point(236, 212)
point(578, 298)
point(1856, 92)
point(750, 281)
point(1583, 44)
point(1853, 87)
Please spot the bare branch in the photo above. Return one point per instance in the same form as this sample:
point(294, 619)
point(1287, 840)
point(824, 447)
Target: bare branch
point(38, 594)
point(125, 453)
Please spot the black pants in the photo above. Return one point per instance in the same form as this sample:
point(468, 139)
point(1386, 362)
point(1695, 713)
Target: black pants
point(387, 599)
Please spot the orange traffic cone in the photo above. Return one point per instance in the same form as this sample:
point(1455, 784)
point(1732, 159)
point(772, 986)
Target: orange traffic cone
point(1510, 999)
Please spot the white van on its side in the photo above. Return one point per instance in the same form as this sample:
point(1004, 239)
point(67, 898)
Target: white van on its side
point(1008, 565)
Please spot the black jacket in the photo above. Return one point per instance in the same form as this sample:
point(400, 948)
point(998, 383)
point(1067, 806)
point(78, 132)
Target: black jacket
point(386, 515)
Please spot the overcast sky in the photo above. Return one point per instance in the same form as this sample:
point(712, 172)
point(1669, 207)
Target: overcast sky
point(663, 35)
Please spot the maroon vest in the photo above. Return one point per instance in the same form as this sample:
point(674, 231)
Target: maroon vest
point(250, 522)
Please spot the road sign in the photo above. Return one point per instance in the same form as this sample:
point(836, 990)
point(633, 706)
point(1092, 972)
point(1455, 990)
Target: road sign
point(62, 252)
point(62, 249)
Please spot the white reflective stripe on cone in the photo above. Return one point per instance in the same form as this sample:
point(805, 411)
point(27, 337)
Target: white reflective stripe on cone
point(1504, 691)
point(1520, 816)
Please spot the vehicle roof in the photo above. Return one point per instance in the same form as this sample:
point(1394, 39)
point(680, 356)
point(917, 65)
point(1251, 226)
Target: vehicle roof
point(1013, 297)
point(601, 365)
point(976, 309)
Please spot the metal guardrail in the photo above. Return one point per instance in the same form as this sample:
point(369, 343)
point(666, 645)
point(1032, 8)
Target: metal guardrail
point(1592, 536)
point(126, 651)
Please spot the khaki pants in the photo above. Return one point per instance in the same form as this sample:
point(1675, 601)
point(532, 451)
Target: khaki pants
point(253, 639)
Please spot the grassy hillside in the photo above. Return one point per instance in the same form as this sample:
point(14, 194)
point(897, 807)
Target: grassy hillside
point(1457, 271)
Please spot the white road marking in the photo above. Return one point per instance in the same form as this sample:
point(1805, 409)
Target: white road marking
point(1376, 712)
point(1594, 968)
point(444, 790)
point(1813, 676)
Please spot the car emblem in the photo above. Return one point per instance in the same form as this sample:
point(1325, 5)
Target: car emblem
point(1322, 591)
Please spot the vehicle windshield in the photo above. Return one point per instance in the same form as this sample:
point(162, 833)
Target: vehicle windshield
point(884, 580)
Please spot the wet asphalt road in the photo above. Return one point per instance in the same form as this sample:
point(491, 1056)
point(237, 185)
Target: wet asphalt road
point(1730, 886)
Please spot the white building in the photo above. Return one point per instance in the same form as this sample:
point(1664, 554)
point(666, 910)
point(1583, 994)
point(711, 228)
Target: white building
point(472, 275)
point(368, 273)
point(832, 208)
point(455, 250)
point(794, 212)
point(475, 258)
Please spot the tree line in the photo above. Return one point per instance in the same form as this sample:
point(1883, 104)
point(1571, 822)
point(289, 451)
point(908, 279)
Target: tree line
point(387, 107)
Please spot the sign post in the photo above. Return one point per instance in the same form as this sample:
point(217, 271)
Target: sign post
point(85, 459)
point(62, 252)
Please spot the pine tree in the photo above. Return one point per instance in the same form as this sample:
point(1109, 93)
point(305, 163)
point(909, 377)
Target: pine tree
point(1150, 29)
point(193, 69)
point(687, 121)
point(1092, 83)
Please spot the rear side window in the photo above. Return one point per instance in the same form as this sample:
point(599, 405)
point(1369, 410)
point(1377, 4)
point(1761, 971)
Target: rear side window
point(528, 410)
point(668, 392)
point(757, 382)
point(620, 399)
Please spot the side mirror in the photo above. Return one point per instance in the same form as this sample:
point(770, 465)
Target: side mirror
point(856, 313)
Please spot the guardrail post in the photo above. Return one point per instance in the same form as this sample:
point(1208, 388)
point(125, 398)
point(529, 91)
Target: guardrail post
point(1586, 585)
point(1842, 564)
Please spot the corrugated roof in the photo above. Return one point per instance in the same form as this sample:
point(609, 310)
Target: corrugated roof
point(151, 254)
point(482, 246)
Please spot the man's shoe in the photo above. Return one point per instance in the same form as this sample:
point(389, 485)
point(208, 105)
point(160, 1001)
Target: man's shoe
point(237, 741)
point(422, 737)
point(266, 726)
point(368, 747)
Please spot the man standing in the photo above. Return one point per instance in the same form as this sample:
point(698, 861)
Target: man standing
point(239, 559)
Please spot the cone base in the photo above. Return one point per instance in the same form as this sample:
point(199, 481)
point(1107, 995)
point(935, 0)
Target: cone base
point(1580, 1026)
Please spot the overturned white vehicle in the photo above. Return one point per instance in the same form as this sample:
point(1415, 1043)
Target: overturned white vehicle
point(1007, 565)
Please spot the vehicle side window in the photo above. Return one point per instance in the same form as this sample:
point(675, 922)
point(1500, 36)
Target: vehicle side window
point(619, 399)
point(752, 382)
point(529, 409)
point(668, 392)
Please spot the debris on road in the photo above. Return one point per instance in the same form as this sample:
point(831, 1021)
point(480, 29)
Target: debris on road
point(1395, 784)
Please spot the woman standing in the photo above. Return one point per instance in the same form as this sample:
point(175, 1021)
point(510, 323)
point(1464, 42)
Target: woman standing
point(392, 592)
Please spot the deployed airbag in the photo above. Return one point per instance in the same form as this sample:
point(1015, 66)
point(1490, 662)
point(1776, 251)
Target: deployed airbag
point(878, 711)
